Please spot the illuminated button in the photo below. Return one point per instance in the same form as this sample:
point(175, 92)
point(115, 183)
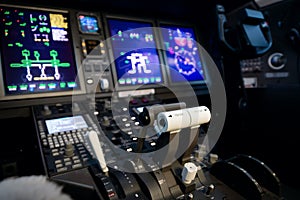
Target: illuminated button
point(57, 162)
point(89, 81)
point(127, 125)
point(59, 165)
point(77, 165)
point(68, 163)
point(152, 143)
point(55, 154)
point(54, 150)
point(62, 169)
point(75, 157)
point(76, 161)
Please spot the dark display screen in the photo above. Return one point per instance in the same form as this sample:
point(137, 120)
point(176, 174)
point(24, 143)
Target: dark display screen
point(88, 24)
point(36, 51)
point(182, 54)
point(91, 47)
point(135, 54)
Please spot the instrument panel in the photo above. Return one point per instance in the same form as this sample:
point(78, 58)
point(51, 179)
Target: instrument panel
point(37, 53)
point(106, 140)
point(48, 52)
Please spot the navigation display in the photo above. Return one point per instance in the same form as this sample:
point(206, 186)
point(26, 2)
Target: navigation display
point(88, 24)
point(182, 54)
point(37, 54)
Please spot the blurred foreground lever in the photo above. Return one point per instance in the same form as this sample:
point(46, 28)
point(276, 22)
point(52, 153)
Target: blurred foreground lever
point(93, 140)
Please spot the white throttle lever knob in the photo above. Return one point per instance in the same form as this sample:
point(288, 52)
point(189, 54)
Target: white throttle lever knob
point(93, 141)
point(189, 172)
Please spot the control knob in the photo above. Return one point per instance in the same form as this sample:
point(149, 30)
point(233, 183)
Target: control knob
point(276, 61)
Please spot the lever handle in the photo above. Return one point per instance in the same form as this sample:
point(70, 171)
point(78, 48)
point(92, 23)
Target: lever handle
point(93, 140)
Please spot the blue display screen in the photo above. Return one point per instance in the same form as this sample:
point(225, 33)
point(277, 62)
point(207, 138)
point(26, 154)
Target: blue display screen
point(88, 24)
point(135, 54)
point(36, 51)
point(182, 54)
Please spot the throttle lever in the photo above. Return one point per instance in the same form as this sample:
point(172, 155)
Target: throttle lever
point(93, 141)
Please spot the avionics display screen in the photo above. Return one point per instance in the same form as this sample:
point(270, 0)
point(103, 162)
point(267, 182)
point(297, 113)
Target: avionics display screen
point(36, 51)
point(65, 124)
point(182, 54)
point(136, 58)
point(88, 24)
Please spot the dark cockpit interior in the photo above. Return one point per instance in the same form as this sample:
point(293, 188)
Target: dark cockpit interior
point(158, 100)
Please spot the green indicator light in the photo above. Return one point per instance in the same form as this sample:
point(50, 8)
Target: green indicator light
point(19, 44)
point(52, 85)
point(10, 45)
point(62, 85)
point(23, 87)
point(121, 81)
point(12, 88)
point(42, 86)
point(71, 84)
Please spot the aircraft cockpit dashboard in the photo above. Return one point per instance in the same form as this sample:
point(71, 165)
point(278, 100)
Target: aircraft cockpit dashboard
point(109, 103)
